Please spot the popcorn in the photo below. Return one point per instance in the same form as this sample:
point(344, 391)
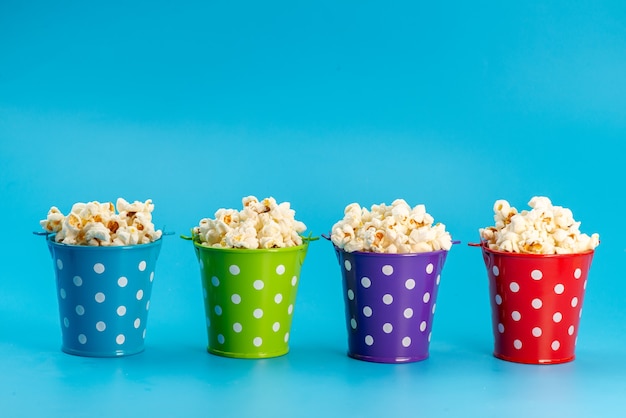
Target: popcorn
point(545, 229)
point(389, 229)
point(260, 224)
point(97, 224)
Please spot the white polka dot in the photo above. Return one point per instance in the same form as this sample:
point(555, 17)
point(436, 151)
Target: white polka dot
point(434, 306)
point(537, 303)
point(430, 268)
point(409, 284)
point(290, 309)
point(369, 340)
point(367, 311)
point(100, 297)
point(139, 294)
point(142, 265)
point(82, 338)
point(574, 302)
point(536, 274)
point(120, 339)
point(218, 310)
point(237, 327)
point(152, 276)
point(143, 334)
point(557, 317)
point(258, 313)
point(276, 326)
point(387, 299)
point(580, 313)
point(516, 315)
point(438, 279)
point(559, 289)
point(350, 294)
point(62, 293)
point(353, 323)
point(234, 269)
point(537, 332)
point(215, 281)
point(498, 299)
point(121, 310)
point(406, 341)
point(570, 330)
point(366, 282)
point(430, 334)
point(147, 305)
point(80, 310)
point(98, 268)
point(66, 322)
point(59, 264)
point(585, 284)
point(286, 337)
point(220, 338)
point(514, 287)
point(555, 345)
point(387, 328)
point(495, 270)
point(137, 323)
point(577, 273)
point(258, 284)
point(500, 328)
point(294, 280)
point(257, 341)
point(280, 270)
point(408, 313)
point(278, 298)
point(423, 326)
point(78, 281)
point(122, 281)
point(426, 297)
point(348, 265)
point(517, 344)
point(236, 299)
point(387, 270)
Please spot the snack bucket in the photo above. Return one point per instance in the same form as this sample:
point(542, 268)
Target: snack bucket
point(390, 302)
point(536, 304)
point(249, 298)
point(103, 296)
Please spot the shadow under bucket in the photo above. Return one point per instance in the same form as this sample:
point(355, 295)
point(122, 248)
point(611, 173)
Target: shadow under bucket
point(249, 298)
point(104, 296)
point(536, 304)
point(390, 302)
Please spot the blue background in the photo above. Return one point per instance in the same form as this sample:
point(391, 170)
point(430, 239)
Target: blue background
point(197, 104)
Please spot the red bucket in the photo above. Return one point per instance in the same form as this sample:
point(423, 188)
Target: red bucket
point(536, 304)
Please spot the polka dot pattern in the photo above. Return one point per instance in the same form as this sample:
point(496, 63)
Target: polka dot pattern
point(390, 301)
point(254, 297)
point(536, 305)
point(102, 297)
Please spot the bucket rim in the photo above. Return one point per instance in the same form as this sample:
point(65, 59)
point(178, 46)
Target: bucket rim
point(393, 255)
point(296, 248)
point(486, 249)
point(52, 242)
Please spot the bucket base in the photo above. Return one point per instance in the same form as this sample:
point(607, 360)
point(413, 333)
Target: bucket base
point(538, 361)
point(246, 355)
point(103, 354)
point(376, 359)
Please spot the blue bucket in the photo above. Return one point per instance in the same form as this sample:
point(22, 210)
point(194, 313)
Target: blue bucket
point(104, 296)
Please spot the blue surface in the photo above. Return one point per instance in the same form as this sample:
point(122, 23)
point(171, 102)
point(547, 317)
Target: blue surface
point(196, 105)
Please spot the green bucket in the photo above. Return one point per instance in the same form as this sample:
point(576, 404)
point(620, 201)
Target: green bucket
point(249, 298)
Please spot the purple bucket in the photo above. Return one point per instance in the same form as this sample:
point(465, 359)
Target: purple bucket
point(390, 302)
